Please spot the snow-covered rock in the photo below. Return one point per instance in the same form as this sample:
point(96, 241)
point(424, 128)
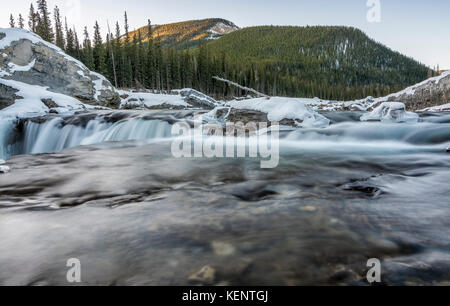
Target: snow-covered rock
point(280, 108)
point(132, 100)
point(28, 59)
point(440, 108)
point(4, 169)
point(33, 100)
point(178, 99)
point(391, 112)
point(431, 92)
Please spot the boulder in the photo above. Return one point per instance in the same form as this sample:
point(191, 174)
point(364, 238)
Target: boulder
point(26, 58)
point(431, 92)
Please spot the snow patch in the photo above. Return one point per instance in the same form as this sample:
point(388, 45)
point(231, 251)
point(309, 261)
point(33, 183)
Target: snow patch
point(31, 103)
point(439, 108)
point(99, 84)
point(146, 99)
point(14, 68)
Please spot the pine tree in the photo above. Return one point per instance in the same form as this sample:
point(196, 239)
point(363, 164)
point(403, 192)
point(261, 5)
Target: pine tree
point(119, 56)
point(87, 55)
point(128, 68)
point(98, 51)
point(12, 23)
point(21, 21)
point(59, 35)
point(44, 25)
point(77, 45)
point(32, 22)
point(70, 41)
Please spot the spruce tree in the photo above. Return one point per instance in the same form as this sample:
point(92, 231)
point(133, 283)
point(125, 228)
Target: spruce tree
point(70, 41)
point(12, 24)
point(87, 55)
point(59, 35)
point(77, 44)
point(32, 19)
point(98, 51)
point(21, 21)
point(44, 26)
point(119, 56)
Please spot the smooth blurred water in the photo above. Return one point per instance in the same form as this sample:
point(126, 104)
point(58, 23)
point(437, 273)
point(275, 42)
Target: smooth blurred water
point(135, 215)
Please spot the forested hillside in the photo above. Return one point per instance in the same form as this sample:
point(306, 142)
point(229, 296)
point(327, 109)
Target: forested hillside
point(323, 60)
point(187, 34)
point(329, 62)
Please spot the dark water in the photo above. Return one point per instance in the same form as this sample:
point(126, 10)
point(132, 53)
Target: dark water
point(134, 215)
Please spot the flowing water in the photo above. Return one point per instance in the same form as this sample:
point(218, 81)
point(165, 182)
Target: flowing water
point(109, 193)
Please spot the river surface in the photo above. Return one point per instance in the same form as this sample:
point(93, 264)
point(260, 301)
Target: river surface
point(105, 189)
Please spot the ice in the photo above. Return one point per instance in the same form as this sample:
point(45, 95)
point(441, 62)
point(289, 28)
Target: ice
point(279, 108)
point(4, 169)
point(391, 112)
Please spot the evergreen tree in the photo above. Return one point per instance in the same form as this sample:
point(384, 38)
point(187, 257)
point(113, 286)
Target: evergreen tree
point(87, 56)
point(44, 25)
point(12, 23)
point(21, 21)
point(59, 35)
point(119, 56)
point(128, 68)
point(98, 51)
point(32, 22)
point(77, 45)
point(70, 41)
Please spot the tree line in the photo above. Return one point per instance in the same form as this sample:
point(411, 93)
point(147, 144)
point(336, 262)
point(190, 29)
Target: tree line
point(140, 60)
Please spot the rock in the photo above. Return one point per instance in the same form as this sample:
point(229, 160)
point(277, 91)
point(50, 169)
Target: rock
point(448, 150)
point(205, 276)
point(49, 103)
point(223, 248)
point(432, 92)
point(7, 96)
point(29, 59)
point(4, 169)
point(308, 208)
point(198, 99)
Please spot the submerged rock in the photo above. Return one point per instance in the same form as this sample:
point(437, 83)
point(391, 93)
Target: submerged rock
point(205, 276)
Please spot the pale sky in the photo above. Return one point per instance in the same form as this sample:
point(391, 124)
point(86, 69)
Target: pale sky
point(417, 28)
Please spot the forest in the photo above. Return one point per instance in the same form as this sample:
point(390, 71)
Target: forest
point(329, 62)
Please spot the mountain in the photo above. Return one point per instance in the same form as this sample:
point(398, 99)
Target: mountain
point(188, 34)
point(309, 59)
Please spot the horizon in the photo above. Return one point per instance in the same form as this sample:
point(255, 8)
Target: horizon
point(399, 27)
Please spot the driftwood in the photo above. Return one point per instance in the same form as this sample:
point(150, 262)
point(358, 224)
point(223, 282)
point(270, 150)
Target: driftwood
point(241, 87)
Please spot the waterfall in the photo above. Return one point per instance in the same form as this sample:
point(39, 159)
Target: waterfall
point(9, 139)
point(55, 134)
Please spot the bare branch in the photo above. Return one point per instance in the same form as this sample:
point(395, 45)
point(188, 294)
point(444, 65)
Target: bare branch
point(240, 87)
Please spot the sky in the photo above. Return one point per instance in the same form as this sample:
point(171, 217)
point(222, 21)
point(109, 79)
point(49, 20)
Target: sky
point(416, 28)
